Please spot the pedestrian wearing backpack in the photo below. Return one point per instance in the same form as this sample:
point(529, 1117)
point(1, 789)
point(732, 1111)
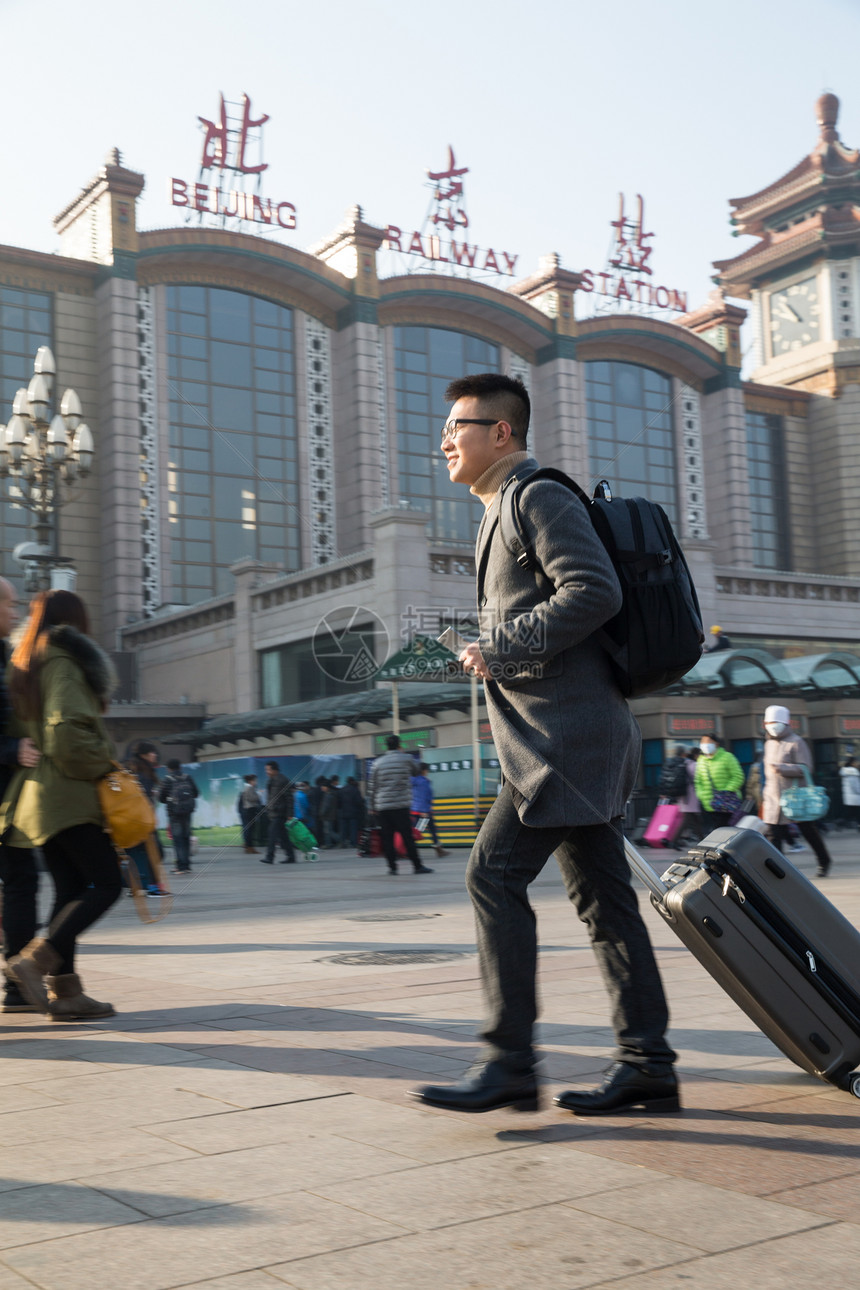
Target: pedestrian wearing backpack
point(179, 794)
point(569, 752)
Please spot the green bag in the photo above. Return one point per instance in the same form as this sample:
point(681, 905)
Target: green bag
point(300, 835)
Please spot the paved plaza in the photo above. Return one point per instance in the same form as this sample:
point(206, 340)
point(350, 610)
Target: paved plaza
point(243, 1124)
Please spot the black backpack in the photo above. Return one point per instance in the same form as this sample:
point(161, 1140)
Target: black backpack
point(673, 781)
point(180, 799)
point(656, 636)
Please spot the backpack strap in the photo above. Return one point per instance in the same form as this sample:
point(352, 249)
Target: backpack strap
point(511, 524)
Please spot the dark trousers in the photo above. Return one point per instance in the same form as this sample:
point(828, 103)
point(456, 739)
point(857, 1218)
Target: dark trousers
point(249, 819)
point(397, 821)
point(84, 867)
point(506, 858)
point(777, 834)
point(716, 820)
point(20, 880)
point(278, 837)
point(180, 832)
point(349, 826)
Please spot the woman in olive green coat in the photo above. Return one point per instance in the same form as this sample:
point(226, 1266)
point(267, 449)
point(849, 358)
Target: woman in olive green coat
point(60, 682)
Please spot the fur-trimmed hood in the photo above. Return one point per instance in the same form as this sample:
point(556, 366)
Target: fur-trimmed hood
point(97, 668)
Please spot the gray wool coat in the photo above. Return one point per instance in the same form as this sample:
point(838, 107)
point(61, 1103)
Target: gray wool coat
point(567, 742)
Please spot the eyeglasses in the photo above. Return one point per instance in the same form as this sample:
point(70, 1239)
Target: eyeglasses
point(451, 429)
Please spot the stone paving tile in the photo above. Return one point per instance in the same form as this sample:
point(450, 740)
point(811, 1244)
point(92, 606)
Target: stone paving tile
point(743, 1155)
point(109, 1114)
point(16, 1097)
point(163, 1253)
point(718, 1219)
point(549, 1246)
point(259, 1280)
point(58, 1160)
point(309, 1160)
point(837, 1198)
point(828, 1256)
point(58, 1209)
point(450, 1192)
point(10, 1280)
point(223, 1082)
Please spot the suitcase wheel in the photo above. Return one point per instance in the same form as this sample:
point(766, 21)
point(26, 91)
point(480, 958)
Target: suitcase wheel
point(854, 1083)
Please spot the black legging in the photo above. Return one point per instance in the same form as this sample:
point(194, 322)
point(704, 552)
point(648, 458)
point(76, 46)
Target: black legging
point(778, 835)
point(20, 884)
point(83, 865)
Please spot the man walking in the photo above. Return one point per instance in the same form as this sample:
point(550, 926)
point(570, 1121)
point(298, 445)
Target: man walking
point(569, 751)
point(17, 865)
point(179, 794)
point(279, 809)
point(391, 799)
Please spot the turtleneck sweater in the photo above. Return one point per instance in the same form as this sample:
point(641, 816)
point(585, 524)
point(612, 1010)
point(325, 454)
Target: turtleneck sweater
point(488, 484)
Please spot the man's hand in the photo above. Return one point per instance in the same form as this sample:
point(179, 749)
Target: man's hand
point(473, 660)
point(28, 753)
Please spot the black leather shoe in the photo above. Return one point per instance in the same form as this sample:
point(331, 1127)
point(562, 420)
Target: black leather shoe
point(422, 868)
point(626, 1088)
point(485, 1088)
point(262, 861)
point(822, 871)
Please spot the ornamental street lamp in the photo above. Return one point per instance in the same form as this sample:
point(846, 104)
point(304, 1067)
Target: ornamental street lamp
point(41, 453)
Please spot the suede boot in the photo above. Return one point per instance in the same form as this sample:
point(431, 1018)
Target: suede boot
point(28, 968)
point(67, 1001)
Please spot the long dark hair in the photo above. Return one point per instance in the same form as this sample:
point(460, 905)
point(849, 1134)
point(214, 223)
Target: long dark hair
point(48, 609)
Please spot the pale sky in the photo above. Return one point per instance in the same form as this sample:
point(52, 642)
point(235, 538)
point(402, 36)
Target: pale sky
point(554, 107)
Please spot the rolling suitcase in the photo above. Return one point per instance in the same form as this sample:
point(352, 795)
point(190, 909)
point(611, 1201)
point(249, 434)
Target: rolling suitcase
point(664, 825)
point(775, 944)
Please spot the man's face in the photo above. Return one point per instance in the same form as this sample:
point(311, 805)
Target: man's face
point(271, 771)
point(8, 608)
point(473, 450)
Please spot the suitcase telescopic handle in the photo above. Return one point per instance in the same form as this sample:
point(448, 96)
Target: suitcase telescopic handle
point(644, 872)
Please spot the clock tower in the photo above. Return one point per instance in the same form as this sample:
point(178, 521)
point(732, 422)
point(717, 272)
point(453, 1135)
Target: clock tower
point(803, 273)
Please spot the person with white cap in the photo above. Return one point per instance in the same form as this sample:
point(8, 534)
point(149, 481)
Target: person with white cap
point(785, 754)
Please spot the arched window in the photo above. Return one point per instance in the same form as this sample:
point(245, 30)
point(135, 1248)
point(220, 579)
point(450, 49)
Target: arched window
point(426, 359)
point(232, 465)
point(630, 436)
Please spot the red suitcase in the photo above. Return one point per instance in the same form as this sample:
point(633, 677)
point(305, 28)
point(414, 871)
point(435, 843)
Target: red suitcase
point(664, 826)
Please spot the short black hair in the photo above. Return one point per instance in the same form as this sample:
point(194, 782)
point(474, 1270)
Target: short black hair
point(392, 742)
point(273, 764)
point(174, 764)
point(503, 396)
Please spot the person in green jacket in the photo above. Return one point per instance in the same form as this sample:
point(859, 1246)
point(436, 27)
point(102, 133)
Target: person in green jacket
point(717, 771)
point(60, 682)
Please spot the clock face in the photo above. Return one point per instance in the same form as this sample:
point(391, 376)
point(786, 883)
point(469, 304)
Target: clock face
point(794, 317)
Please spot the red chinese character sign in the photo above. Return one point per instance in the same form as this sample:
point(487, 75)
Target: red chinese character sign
point(627, 283)
point(229, 181)
point(434, 250)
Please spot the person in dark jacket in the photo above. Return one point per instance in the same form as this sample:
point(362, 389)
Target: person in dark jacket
point(179, 794)
point(18, 871)
point(391, 800)
point(351, 811)
point(569, 750)
point(279, 809)
point(60, 683)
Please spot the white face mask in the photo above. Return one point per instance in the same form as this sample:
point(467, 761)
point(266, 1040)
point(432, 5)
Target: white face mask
point(708, 749)
point(775, 728)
